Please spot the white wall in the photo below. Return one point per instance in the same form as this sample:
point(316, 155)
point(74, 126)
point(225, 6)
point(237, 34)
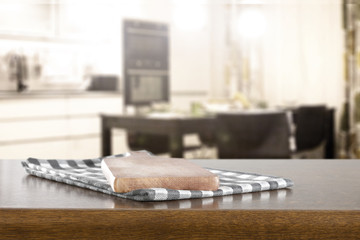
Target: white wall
point(303, 53)
point(298, 59)
point(218, 50)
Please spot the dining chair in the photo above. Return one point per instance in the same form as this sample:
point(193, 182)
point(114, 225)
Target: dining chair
point(310, 133)
point(253, 135)
point(157, 144)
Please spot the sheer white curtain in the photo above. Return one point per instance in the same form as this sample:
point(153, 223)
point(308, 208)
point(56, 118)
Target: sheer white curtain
point(302, 52)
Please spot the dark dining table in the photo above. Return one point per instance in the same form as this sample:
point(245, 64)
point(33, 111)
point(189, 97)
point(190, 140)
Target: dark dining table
point(177, 127)
point(173, 127)
point(324, 203)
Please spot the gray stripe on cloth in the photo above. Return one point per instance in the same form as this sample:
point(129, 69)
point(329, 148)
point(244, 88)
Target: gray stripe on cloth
point(173, 194)
point(72, 164)
point(89, 163)
point(34, 161)
point(55, 164)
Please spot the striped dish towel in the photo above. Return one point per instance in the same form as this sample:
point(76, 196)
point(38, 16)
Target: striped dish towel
point(88, 174)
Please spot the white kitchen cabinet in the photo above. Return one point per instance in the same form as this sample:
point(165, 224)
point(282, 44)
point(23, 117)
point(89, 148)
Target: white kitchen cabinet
point(65, 126)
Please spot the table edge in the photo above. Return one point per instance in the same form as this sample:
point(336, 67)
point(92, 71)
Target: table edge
point(174, 223)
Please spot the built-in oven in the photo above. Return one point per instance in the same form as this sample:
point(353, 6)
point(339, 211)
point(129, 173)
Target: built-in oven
point(146, 62)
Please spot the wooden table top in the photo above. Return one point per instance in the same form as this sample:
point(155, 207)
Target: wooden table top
point(319, 185)
point(324, 201)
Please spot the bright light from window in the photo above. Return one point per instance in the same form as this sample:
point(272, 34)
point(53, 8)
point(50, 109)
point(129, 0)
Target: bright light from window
point(189, 15)
point(251, 24)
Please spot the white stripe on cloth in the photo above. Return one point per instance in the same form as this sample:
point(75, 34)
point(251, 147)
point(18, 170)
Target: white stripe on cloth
point(229, 174)
point(184, 194)
point(207, 193)
point(244, 176)
point(261, 178)
point(264, 185)
point(246, 188)
point(160, 193)
point(281, 182)
point(226, 190)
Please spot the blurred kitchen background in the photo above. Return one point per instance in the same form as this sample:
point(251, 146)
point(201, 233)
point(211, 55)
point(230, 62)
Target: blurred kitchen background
point(62, 64)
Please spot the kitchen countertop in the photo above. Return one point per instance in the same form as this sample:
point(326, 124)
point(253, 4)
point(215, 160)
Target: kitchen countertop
point(4, 95)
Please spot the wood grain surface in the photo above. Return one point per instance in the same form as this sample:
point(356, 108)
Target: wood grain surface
point(178, 224)
point(141, 171)
point(323, 204)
